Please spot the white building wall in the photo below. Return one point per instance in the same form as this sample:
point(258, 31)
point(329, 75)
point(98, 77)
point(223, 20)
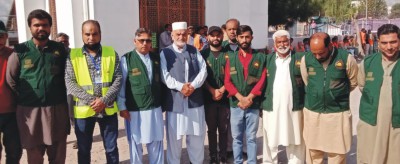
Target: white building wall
point(251, 12)
point(23, 8)
point(69, 16)
point(118, 21)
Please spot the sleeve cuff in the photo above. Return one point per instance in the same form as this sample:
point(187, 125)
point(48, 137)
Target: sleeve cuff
point(121, 105)
point(232, 93)
point(256, 93)
point(179, 86)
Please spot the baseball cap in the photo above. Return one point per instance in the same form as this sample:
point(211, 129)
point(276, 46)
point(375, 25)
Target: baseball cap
point(2, 27)
point(214, 28)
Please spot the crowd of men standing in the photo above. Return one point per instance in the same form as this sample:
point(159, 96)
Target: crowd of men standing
point(302, 98)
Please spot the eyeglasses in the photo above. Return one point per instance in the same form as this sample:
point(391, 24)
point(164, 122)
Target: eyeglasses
point(144, 40)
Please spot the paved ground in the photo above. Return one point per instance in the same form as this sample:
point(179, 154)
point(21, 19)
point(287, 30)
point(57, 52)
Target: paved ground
point(98, 156)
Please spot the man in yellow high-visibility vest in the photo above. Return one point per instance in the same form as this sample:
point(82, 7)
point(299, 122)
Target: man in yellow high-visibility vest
point(93, 77)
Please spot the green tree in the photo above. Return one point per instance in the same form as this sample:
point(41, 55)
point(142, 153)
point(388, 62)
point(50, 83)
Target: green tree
point(288, 11)
point(339, 10)
point(376, 9)
point(395, 12)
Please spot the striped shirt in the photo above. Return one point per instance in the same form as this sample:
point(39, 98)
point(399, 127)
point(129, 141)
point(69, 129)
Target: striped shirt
point(77, 91)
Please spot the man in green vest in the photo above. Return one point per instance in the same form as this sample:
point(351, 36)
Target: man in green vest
point(216, 102)
point(378, 131)
point(231, 45)
point(244, 80)
point(329, 75)
point(283, 103)
point(93, 77)
point(231, 27)
point(36, 75)
point(139, 100)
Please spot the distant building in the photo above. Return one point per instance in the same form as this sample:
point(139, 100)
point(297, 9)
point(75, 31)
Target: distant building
point(120, 18)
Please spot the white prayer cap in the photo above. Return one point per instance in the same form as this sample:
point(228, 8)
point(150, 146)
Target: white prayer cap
point(280, 33)
point(179, 26)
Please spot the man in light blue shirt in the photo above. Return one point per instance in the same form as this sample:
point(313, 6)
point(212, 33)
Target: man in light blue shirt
point(139, 100)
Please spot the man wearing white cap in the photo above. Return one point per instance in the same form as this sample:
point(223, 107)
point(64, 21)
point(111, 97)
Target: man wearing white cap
point(184, 72)
point(283, 103)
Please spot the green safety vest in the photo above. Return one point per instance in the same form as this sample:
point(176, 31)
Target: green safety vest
point(244, 87)
point(295, 76)
point(83, 78)
point(41, 78)
point(140, 93)
point(328, 90)
point(370, 95)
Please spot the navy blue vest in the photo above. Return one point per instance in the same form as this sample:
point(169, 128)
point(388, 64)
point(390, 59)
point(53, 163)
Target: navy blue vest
point(176, 67)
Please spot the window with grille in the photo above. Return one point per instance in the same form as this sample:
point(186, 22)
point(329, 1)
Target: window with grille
point(154, 14)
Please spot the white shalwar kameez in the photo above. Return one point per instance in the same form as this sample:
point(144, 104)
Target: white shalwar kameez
point(145, 127)
point(282, 126)
point(191, 122)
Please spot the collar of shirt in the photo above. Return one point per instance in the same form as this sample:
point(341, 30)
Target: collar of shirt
point(285, 58)
point(143, 56)
point(177, 49)
point(86, 52)
point(242, 52)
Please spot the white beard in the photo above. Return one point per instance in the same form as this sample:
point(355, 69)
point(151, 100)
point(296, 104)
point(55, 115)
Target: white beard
point(179, 44)
point(282, 50)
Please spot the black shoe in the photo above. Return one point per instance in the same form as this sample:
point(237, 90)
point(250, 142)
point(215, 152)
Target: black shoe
point(214, 160)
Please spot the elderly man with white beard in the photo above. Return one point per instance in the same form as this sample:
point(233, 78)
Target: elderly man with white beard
point(184, 72)
point(283, 103)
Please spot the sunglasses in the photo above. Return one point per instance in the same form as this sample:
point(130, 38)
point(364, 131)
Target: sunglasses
point(144, 40)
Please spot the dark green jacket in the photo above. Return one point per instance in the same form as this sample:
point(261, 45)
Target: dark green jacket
point(215, 72)
point(328, 90)
point(225, 45)
point(295, 76)
point(370, 95)
point(244, 87)
point(41, 79)
point(140, 93)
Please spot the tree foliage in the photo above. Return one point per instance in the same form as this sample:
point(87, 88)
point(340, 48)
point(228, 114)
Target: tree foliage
point(376, 9)
point(395, 12)
point(287, 11)
point(339, 10)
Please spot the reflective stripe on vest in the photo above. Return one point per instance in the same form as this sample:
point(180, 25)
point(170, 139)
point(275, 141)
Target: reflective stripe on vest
point(83, 78)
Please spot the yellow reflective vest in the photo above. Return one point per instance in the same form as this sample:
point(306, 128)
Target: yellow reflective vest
point(80, 66)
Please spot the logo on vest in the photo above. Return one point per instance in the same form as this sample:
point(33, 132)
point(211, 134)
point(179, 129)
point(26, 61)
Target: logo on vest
point(56, 53)
point(156, 62)
point(136, 72)
point(311, 71)
point(256, 64)
point(297, 63)
point(339, 64)
point(233, 71)
point(28, 64)
point(369, 77)
point(226, 56)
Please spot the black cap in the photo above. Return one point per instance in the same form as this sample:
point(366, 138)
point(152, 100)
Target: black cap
point(214, 28)
point(2, 27)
